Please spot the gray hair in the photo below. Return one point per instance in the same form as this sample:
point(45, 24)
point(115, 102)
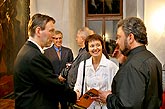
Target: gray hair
point(135, 26)
point(83, 32)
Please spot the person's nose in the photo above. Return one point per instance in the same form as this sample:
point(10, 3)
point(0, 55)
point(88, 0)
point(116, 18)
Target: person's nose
point(95, 47)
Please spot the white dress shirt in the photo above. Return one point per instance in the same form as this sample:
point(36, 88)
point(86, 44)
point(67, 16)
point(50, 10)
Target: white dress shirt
point(101, 79)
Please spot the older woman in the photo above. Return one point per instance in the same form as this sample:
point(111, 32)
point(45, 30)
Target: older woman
point(99, 71)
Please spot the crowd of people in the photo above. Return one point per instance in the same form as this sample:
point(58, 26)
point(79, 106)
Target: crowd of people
point(38, 83)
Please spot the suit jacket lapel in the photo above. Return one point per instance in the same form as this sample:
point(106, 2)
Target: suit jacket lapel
point(63, 53)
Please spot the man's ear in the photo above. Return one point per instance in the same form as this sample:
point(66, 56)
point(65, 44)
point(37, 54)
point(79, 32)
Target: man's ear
point(131, 38)
point(38, 31)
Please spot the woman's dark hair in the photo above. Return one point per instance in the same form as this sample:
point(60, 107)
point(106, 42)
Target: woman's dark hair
point(91, 38)
point(135, 26)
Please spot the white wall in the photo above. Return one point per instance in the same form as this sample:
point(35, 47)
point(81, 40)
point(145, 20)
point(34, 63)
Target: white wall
point(133, 8)
point(153, 14)
point(154, 18)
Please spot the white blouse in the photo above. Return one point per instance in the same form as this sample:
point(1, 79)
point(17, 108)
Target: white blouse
point(101, 79)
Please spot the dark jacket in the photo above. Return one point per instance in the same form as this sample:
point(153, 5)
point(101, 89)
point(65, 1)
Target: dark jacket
point(35, 84)
point(72, 75)
point(66, 57)
point(138, 83)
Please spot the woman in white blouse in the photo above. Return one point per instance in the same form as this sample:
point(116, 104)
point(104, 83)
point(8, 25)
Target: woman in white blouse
point(99, 71)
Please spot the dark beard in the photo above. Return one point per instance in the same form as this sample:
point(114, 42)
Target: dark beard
point(126, 49)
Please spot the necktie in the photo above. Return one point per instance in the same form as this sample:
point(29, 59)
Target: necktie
point(58, 53)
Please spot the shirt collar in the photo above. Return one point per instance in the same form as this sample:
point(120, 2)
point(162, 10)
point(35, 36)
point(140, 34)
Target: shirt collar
point(102, 61)
point(31, 40)
point(136, 50)
point(57, 49)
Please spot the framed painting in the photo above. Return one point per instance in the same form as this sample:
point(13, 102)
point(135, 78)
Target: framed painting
point(14, 17)
point(103, 7)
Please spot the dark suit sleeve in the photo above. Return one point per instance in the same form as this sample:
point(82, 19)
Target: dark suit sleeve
point(113, 102)
point(45, 79)
point(70, 95)
point(70, 55)
point(42, 70)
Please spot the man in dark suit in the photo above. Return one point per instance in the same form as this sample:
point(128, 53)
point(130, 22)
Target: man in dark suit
point(60, 57)
point(64, 57)
point(35, 84)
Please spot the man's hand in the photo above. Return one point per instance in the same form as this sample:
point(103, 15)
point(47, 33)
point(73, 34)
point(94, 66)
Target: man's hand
point(118, 55)
point(61, 78)
point(103, 95)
